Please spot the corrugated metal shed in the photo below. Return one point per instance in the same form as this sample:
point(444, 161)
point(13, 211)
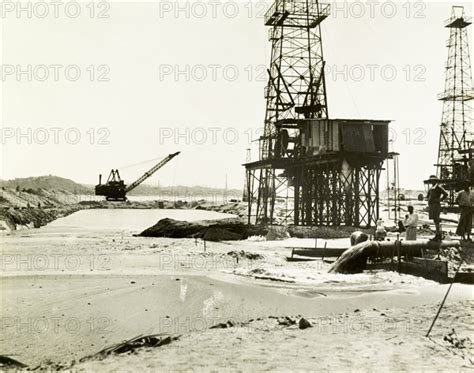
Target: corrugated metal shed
point(320, 136)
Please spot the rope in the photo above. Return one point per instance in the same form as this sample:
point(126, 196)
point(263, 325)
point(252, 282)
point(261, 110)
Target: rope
point(140, 163)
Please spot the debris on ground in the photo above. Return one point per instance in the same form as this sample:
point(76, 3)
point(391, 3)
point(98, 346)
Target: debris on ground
point(457, 342)
point(263, 274)
point(9, 363)
point(245, 255)
point(130, 346)
point(286, 321)
point(304, 324)
point(228, 324)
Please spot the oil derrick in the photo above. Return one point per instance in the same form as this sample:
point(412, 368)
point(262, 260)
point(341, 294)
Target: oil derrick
point(311, 170)
point(296, 89)
point(455, 145)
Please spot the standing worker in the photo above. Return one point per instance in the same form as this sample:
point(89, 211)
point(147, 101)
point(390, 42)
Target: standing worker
point(464, 201)
point(435, 195)
point(411, 224)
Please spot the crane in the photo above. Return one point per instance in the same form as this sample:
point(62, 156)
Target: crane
point(116, 190)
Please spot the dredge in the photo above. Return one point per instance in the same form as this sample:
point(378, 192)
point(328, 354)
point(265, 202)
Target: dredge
point(115, 188)
point(312, 170)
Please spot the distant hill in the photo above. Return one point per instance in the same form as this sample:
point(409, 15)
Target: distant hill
point(61, 184)
point(47, 182)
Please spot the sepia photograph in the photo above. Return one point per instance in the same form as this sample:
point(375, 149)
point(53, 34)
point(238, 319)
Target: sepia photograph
point(236, 186)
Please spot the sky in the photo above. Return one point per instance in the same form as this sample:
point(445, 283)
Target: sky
point(115, 84)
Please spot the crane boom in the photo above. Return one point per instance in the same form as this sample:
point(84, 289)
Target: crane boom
point(150, 173)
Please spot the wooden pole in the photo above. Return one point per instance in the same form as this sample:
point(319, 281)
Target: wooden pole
point(399, 254)
point(324, 250)
point(444, 300)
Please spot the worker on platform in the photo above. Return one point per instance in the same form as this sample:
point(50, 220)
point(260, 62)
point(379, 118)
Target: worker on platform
point(411, 224)
point(464, 200)
point(436, 195)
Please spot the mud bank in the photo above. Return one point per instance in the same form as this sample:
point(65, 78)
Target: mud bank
point(211, 230)
point(12, 219)
point(34, 208)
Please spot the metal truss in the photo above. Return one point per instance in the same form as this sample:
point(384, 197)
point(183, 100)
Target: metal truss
point(329, 194)
point(296, 86)
point(456, 125)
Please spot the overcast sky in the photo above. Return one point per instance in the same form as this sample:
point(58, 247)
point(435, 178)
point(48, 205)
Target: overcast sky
point(115, 84)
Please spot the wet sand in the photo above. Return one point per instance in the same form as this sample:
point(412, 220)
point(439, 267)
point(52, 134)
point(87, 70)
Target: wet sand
point(369, 341)
point(69, 294)
point(64, 318)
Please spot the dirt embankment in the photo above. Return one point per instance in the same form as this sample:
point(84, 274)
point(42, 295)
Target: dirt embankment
point(12, 219)
point(234, 208)
point(34, 208)
point(238, 208)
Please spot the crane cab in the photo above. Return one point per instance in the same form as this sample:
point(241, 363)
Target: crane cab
point(115, 188)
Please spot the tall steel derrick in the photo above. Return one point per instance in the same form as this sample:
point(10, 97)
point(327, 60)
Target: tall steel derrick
point(455, 145)
point(296, 89)
point(296, 180)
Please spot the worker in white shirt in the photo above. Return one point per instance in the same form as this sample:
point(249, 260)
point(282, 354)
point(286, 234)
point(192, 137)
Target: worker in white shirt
point(464, 200)
point(411, 224)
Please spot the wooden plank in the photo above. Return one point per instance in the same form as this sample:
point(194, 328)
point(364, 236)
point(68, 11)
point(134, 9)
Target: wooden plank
point(318, 252)
point(288, 259)
point(436, 270)
point(465, 278)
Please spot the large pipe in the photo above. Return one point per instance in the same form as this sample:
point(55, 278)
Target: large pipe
point(354, 260)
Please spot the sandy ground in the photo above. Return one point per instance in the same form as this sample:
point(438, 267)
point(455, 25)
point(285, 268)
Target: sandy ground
point(388, 340)
point(66, 295)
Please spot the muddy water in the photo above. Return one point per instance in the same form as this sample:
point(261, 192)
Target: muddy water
point(129, 220)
